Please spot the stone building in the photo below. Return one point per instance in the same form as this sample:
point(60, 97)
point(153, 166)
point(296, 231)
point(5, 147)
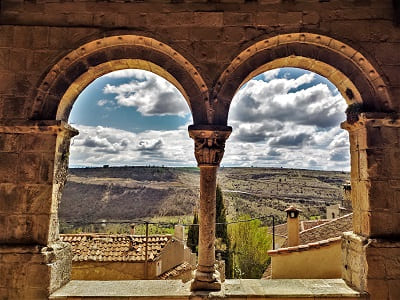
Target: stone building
point(50, 50)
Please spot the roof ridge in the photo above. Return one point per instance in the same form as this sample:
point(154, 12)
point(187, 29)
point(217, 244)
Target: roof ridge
point(326, 223)
point(304, 247)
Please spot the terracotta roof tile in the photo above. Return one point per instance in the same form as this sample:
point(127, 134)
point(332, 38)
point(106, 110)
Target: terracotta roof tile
point(305, 247)
point(281, 229)
point(176, 271)
point(104, 247)
point(331, 229)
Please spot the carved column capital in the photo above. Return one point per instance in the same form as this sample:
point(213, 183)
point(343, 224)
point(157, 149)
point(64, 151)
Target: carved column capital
point(209, 142)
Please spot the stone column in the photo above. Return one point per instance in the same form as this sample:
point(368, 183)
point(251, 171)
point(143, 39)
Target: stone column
point(209, 150)
point(33, 161)
point(371, 253)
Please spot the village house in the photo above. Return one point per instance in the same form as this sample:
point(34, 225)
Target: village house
point(312, 253)
point(99, 256)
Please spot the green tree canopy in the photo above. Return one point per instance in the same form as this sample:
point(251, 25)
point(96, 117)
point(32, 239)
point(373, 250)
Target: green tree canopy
point(249, 245)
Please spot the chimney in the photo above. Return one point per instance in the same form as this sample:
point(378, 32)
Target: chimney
point(132, 230)
point(293, 226)
point(179, 233)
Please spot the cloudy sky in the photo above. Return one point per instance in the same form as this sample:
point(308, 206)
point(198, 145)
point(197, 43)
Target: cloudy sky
point(282, 118)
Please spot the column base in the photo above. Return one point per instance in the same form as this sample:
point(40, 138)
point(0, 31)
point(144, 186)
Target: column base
point(206, 281)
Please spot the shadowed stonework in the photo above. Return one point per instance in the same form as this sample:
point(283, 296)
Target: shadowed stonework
point(50, 50)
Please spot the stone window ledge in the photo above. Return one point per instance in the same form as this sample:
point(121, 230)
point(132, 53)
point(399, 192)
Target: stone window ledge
point(231, 289)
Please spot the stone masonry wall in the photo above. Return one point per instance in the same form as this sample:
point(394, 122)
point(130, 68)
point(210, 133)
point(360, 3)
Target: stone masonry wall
point(36, 35)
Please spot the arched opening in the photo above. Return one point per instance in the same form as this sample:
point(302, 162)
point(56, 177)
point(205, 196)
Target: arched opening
point(64, 82)
point(123, 182)
point(356, 78)
point(288, 142)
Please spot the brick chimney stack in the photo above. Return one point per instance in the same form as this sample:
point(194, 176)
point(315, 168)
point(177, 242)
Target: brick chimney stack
point(293, 226)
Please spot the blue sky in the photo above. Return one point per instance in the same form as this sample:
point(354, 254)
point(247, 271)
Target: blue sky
point(282, 118)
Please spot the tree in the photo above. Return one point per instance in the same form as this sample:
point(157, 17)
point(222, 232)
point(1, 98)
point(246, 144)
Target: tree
point(221, 230)
point(221, 233)
point(193, 233)
point(249, 245)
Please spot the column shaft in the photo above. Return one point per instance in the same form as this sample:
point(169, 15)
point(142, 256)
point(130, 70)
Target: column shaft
point(208, 178)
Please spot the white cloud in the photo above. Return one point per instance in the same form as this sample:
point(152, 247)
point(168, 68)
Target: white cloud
point(97, 146)
point(127, 73)
point(103, 102)
point(287, 122)
point(149, 93)
point(267, 76)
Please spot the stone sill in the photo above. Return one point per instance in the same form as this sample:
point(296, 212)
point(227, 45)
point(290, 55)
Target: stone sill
point(231, 289)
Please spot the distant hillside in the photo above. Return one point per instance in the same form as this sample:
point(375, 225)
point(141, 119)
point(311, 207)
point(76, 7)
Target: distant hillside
point(128, 193)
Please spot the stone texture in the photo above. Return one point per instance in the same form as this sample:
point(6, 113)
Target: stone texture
point(51, 50)
point(232, 289)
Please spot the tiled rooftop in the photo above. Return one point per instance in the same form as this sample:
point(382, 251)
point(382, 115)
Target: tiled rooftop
point(332, 229)
point(104, 247)
point(281, 229)
point(327, 230)
point(179, 269)
point(308, 224)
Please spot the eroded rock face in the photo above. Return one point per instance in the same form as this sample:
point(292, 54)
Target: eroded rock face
point(50, 51)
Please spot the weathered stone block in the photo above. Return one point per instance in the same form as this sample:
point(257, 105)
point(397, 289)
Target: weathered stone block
point(267, 18)
point(9, 142)
point(233, 34)
point(9, 198)
point(206, 34)
point(311, 17)
point(376, 267)
point(15, 107)
point(378, 288)
point(8, 170)
point(394, 289)
point(29, 167)
point(19, 229)
point(214, 19)
point(238, 19)
point(290, 18)
point(36, 274)
point(6, 35)
point(38, 142)
point(38, 199)
point(30, 272)
point(46, 168)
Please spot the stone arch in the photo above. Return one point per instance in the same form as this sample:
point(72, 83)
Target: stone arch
point(61, 86)
point(349, 70)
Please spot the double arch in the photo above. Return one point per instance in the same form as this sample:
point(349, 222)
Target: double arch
point(357, 79)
